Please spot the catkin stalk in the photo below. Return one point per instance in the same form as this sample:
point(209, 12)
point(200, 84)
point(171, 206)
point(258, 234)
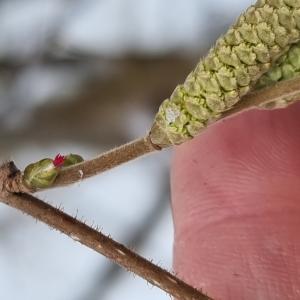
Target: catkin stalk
point(261, 35)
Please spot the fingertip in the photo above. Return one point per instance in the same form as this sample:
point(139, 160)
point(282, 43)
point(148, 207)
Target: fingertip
point(235, 197)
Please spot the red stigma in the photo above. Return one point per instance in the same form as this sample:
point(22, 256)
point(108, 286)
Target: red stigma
point(59, 160)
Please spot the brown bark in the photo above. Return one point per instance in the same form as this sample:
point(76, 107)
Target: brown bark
point(94, 239)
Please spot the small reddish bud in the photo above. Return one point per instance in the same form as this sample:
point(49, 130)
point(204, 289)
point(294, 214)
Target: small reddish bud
point(59, 160)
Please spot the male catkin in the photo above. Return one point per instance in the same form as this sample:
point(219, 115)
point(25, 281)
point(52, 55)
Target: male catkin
point(260, 36)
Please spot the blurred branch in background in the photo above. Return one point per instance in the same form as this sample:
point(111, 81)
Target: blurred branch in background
point(95, 57)
point(105, 101)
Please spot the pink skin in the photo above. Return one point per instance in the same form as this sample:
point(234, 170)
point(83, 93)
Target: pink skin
point(236, 207)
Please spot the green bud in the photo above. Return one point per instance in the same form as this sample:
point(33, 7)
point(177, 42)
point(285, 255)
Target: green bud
point(41, 174)
point(72, 159)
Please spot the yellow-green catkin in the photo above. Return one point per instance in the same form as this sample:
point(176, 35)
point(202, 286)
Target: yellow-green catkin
point(250, 47)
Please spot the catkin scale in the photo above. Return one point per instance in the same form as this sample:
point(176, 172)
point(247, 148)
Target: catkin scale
point(261, 35)
point(287, 67)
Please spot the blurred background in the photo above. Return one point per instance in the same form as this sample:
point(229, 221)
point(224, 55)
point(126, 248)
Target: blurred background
point(83, 76)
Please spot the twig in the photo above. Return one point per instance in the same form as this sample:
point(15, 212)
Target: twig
point(13, 193)
point(89, 168)
point(104, 162)
point(284, 91)
point(104, 280)
point(95, 240)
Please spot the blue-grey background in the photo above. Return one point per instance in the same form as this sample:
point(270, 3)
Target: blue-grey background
point(83, 76)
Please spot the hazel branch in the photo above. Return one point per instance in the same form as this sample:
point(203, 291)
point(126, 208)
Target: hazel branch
point(94, 239)
point(282, 93)
point(87, 168)
point(105, 162)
